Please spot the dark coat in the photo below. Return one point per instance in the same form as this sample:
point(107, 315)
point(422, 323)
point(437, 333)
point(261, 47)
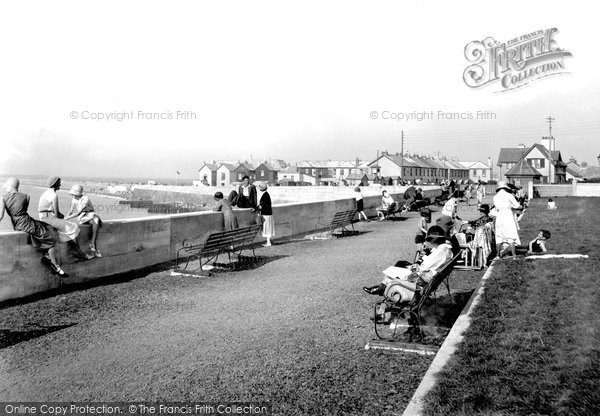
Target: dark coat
point(265, 204)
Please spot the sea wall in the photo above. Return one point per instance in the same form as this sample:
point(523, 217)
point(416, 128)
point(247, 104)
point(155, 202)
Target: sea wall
point(133, 244)
point(202, 196)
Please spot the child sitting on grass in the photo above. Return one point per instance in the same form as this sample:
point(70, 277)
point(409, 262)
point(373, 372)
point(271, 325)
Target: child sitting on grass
point(82, 208)
point(551, 204)
point(537, 245)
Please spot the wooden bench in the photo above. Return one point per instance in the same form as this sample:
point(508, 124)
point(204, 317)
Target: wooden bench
point(231, 242)
point(411, 310)
point(341, 220)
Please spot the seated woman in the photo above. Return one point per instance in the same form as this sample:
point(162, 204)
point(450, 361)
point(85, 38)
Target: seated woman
point(387, 205)
point(42, 236)
point(51, 215)
point(416, 275)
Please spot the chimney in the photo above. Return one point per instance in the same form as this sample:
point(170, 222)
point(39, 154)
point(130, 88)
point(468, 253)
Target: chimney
point(522, 145)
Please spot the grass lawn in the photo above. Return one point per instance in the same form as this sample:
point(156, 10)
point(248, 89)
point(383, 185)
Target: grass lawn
point(534, 343)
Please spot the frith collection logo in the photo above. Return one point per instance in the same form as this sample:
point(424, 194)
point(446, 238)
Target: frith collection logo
point(515, 63)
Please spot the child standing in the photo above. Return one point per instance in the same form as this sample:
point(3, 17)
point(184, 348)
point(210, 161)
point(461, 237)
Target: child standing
point(360, 205)
point(82, 208)
point(422, 226)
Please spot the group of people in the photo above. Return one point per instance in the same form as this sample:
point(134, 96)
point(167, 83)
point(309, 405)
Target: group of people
point(246, 197)
point(500, 220)
point(52, 227)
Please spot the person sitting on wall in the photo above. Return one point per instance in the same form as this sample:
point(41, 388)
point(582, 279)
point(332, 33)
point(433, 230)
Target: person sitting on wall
point(41, 235)
point(413, 276)
point(247, 194)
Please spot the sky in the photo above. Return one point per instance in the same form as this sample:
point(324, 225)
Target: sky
point(273, 79)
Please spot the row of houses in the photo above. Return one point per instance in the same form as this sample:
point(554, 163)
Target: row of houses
point(386, 169)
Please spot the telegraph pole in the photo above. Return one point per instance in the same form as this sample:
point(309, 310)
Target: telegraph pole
point(402, 157)
point(551, 175)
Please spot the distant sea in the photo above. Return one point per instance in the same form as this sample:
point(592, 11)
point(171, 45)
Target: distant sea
point(107, 207)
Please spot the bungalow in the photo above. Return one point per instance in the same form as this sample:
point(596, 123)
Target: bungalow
point(478, 171)
point(357, 179)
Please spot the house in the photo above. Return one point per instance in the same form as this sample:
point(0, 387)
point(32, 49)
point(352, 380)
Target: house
point(318, 168)
point(581, 171)
point(208, 174)
point(478, 171)
point(357, 179)
point(244, 169)
point(265, 173)
point(541, 156)
point(292, 174)
point(225, 174)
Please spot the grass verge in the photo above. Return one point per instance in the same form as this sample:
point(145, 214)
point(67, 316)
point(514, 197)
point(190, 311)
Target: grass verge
point(532, 347)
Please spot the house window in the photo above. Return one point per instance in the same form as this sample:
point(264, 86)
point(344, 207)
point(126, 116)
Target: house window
point(222, 176)
point(483, 173)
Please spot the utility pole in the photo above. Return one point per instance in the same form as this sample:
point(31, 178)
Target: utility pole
point(402, 157)
point(551, 167)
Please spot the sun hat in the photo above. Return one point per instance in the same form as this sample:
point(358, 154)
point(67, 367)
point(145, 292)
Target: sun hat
point(436, 234)
point(484, 208)
point(76, 190)
point(218, 195)
point(262, 186)
point(425, 212)
point(52, 181)
point(503, 185)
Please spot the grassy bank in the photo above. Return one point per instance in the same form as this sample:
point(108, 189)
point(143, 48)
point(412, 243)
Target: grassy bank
point(533, 345)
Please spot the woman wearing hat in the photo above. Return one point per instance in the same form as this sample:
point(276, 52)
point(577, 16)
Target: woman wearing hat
point(223, 205)
point(82, 208)
point(51, 215)
point(266, 211)
point(42, 236)
point(507, 229)
point(441, 252)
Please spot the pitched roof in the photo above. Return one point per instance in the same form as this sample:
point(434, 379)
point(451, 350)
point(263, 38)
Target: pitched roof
point(512, 154)
point(228, 166)
point(210, 166)
point(523, 168)
point(357, 176)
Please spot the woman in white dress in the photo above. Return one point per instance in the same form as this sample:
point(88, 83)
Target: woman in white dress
point(507, 230)
point(51, 215)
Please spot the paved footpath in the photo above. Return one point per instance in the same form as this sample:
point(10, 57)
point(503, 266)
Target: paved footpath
point(291, 331)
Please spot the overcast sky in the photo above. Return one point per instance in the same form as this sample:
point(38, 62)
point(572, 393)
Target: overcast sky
point(276, 79)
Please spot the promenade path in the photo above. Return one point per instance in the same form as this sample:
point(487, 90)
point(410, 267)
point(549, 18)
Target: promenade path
point(291, 332)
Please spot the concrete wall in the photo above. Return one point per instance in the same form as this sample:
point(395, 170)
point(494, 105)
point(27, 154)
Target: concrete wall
point(575, 189)
point(279, 194)
point(134, 244)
